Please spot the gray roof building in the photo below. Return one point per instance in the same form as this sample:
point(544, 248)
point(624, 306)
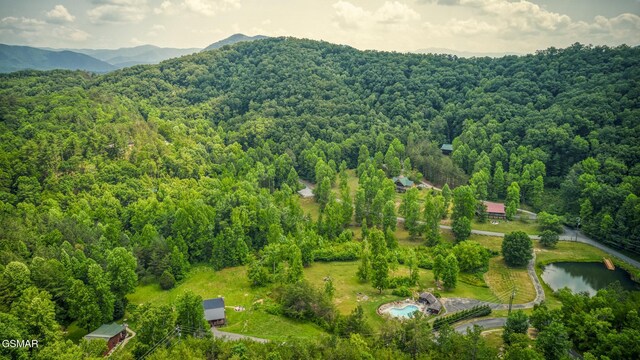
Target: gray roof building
point(214, 309)
point(306, 193)
point(106, 331)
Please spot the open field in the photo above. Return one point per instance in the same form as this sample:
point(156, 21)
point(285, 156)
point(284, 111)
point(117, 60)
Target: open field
point(505, 226)
point(493, 286)
point(233, 284)
point(502, 280)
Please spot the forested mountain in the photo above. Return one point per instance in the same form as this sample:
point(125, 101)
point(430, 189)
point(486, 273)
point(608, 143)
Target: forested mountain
point(14, 58)
point(235, 38)
point(464, 54)
point(139, 173)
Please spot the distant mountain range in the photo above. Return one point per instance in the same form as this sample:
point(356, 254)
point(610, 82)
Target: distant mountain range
point(464, 54)
point(236, 38)
point(14, 58)
point(144, 54)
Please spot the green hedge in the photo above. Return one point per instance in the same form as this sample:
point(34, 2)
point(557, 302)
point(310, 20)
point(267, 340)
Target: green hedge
point(476, 311)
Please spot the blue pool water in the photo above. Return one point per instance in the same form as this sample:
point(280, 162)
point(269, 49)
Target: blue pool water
point(404, 312)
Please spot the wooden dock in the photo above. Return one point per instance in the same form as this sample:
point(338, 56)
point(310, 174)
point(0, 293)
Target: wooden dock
point(609, 264)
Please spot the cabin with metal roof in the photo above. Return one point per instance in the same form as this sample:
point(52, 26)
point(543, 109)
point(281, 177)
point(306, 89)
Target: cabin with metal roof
point(446, 149)
point(214, 311)
point(495, 210)
point(111, 333)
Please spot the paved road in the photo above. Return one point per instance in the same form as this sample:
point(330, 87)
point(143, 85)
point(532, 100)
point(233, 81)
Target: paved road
point(570, 235)
point(567, 235)
point(233, 337)
point(486, 324)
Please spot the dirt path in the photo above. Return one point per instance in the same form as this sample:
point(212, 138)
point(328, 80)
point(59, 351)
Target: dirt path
point(131, 333)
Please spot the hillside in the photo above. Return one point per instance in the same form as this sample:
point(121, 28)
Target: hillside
point(233, 39)
point(14, 58)
point(119, 187)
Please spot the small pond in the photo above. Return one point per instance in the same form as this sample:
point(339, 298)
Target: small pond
point(584, 277)
point(404, 312)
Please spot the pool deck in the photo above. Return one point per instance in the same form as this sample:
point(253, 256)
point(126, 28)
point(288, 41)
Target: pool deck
point(384, 309)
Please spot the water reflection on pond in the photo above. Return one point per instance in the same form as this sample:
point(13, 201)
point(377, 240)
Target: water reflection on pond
point(584, 277)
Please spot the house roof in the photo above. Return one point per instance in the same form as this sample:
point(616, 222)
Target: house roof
point(306, 193)
point(436, 306)
point(106, 331)
point(403, 180)
point(447, 147)
point(429, 297)
point(496, 208)
point(213, 309)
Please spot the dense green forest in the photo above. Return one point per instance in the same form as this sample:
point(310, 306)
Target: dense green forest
point(107, 181)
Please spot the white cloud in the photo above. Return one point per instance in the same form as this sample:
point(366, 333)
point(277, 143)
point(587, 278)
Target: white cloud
point(69, 33)
point(350, 16)
point(59, 14)
point(166, 7)
point(118, 11)
point(203, 7)
point(469, 27)
point(155, 29)
point(34, 31)
point(523, 15)
point(393, 12)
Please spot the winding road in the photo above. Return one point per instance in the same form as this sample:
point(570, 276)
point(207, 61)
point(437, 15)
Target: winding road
point(567, 235)
point(459, 304)
point(233, 336)
point(492, 323)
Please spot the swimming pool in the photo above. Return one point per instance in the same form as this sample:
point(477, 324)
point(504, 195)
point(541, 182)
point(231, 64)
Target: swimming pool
point(403, 312)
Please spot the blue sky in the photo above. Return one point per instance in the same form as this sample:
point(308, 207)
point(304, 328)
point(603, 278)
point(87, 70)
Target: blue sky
point(393, 25)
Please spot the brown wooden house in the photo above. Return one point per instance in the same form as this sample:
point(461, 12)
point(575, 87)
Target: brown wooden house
point(111, 333)
point(495, 210)
point(433, 304)
point(214, 311)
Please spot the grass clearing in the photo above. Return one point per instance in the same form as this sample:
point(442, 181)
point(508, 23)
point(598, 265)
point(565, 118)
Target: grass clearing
point(505, 226)
point(74, 333)
point(494, 338)
point(502, 280)
point(232, 283)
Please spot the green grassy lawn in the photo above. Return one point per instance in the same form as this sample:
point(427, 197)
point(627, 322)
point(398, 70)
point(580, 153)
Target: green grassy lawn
point(494, 338)
point(505, 226)
point(74, 333)
point(310, 207)
point(502, 280)
point(233, 284)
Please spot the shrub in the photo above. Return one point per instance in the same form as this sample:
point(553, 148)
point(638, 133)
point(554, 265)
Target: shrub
point(348, 251)
point(517, 248)
point(476, 311)
point(402, 291)
point(550, 222)
point(549, 239)
point(167, 281)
